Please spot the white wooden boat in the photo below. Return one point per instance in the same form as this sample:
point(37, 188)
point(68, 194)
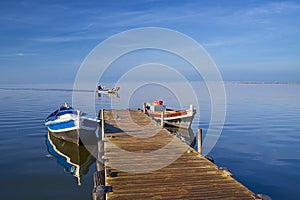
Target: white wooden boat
point(68, 124)
point(104, 90)
point(171, 117)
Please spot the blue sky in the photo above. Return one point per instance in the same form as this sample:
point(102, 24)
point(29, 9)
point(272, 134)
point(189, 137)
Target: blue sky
point(46, 41)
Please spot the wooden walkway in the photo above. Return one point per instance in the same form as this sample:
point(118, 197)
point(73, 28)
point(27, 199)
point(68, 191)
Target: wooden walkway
point(144, 161)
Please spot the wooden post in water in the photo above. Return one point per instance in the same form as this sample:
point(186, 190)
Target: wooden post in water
point(102, 123)
point(101, 141)
point(99, 193)
point(99, 175)
point(162, 118)
point(199, 140)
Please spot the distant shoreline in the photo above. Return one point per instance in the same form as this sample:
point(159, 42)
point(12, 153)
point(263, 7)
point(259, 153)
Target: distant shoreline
point(69, 87)
point(262, 82)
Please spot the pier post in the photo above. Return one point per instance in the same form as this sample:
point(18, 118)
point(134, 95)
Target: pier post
point(199, 140)
point(162, 115)
point(101, 141)
point(102, 123)
point(144, 108)
point(99, 176)
point(99, 193)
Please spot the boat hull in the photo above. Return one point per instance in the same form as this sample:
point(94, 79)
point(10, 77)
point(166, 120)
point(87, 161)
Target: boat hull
point(186, 135)
point(77, 136)
point(184, 122)
point(107, 91)
point(62, 126)
point(72, 124)
point(181, 119)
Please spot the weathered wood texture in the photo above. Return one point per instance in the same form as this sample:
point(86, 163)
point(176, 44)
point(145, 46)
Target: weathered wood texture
point(134, 149)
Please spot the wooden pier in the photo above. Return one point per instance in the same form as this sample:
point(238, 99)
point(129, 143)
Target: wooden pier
point(144, 161)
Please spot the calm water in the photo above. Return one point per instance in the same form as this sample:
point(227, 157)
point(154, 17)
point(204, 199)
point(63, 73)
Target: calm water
point(259, 143)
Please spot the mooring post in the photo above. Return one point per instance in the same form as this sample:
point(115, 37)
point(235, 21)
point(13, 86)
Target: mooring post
point(99, 193)
point(102, 123)
point(199, 140)
point(162, 118)
point(99, 175)
point(101, 140)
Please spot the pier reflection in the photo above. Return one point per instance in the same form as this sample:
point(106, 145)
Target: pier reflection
point(75, 159)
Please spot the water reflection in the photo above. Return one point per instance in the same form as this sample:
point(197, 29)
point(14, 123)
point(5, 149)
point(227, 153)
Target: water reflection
point(108, 96)
point(75, 159)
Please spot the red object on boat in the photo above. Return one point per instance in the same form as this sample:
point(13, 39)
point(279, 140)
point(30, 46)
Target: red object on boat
point(157, 103)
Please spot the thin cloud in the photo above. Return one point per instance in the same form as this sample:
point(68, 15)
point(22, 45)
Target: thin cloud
point(59, 39)
point(14, 55)
point(273, 8)
point(151, 16)
point(262, 14)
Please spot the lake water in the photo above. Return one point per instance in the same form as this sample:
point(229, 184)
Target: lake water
point(260, 142)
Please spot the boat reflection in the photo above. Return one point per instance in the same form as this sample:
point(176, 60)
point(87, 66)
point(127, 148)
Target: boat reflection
point(75, 159)
point(186, 135)
point(108, 96)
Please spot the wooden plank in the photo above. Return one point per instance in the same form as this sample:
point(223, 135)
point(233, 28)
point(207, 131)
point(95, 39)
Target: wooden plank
point(190, 176)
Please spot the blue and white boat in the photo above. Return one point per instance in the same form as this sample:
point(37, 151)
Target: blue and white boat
point(67, 123)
